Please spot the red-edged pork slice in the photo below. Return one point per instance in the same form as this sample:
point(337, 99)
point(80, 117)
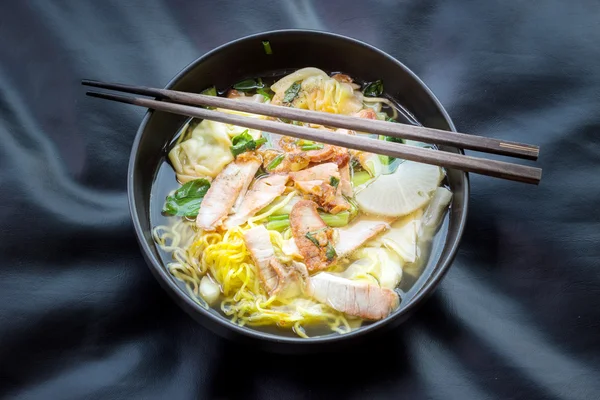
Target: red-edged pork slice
point(312, 236)
point(277, 278)
point(224, 191)
point(356, 298)
point(345, 185)
point(322, 172)
point(353, 236)
point(260, 195)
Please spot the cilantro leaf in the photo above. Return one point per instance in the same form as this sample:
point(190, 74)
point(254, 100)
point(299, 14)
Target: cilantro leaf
point(244, 142)
point(291, 93)
point(333, 181)
point(249, 84)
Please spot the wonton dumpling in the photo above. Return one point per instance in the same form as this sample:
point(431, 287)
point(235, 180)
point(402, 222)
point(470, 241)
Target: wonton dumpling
point(234, 130)
point(328, 95)
point(284, 83)
point(320, 92)
point(207, 151)
point(382, 264)
point(402, 236)
point(204, 154)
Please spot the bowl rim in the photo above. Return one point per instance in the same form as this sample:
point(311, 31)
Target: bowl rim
point(428, 287)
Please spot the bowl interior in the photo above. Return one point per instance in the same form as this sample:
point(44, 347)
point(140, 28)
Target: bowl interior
point(246, 58)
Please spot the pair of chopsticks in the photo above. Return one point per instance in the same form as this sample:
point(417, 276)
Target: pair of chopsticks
point(185, 103)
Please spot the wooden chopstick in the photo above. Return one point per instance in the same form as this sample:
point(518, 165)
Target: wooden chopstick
point(400, 130)
point(494, 168)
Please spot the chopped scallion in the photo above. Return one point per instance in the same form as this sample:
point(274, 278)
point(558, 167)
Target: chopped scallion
point(308, 147)
point(279, 226)
point(282, 217)
point(266, 92)
point(267, 47)
point(275, 162)
point(336, 220)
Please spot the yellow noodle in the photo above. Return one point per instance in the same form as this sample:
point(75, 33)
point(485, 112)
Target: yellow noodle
point(383, 100)
point(225, 257)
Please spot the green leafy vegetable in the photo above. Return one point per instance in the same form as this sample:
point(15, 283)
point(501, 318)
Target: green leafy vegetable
point(249, 85)
point(211, 91)
point(245, 142)
point(353, 212)
point(306, 145)
point(310, 236)
point(387, 159)
point(266, 92)
point(275, 162)
point(278, 222)
point(333, 181)
point(330, 252)
point(373, 89)
point(186, 200)
point(394, 139)
point(360, 177)
point(267, 47)
point(291, 93)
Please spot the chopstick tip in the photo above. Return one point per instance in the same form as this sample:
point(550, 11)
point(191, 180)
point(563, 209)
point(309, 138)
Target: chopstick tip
point(90, 82)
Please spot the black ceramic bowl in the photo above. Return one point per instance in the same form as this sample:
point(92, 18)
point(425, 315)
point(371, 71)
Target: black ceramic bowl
point(292, 49)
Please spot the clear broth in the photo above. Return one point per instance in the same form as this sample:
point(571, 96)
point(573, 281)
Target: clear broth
point(413, 277)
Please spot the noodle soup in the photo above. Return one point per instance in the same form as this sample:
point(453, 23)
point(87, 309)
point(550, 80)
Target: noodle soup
point(293, 236)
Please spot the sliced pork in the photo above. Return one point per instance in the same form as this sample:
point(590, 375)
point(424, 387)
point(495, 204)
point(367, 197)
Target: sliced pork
point(312, 236)
point(224, 191)
point(353, 236)
point(276, 277)
point(260, 195)
point(356, 298)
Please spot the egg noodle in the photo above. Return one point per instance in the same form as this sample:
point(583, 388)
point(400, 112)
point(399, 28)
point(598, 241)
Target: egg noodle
point(203, 260)
point(224, 257)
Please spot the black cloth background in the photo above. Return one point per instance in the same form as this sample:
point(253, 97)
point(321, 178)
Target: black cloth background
point(517, 316)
